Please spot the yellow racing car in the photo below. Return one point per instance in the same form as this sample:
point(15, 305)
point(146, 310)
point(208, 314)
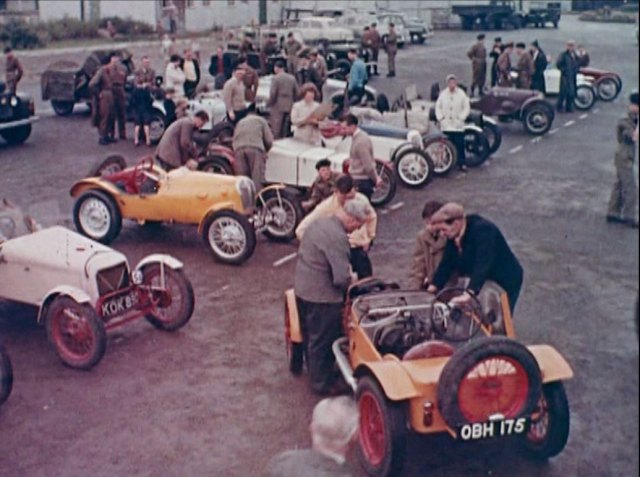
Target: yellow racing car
point(425, 364)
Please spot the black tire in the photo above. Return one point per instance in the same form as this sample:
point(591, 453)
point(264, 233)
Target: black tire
point(110, 165)
point(62, 108)
point(167, 316)
point(104, 210)
point(230, 237)
point(16, 135)
point(493, 133)
point(414, 167)
point(585, 97)
point(157, 125)
point(222, 133)
point(517, 365)
point(6, 375)
point(384, 455)
point(608, 89)
point(216, 165)
point(443, 153)
point(549, 430)
point(76, 332)
point(344, 66)
point(476, 146)
point(286, 213)
point(382, 103)
point(538, 118)
point(387, 191)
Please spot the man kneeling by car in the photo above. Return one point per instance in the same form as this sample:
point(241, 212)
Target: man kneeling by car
point(359, 240)
point(321, 280)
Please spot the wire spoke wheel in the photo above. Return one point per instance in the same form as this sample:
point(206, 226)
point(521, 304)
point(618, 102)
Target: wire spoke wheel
point(227, 237)
point(443, 154)
point(170, 295)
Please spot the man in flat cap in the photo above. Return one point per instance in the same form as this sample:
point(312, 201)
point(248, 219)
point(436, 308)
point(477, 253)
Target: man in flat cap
point(478, 56)
point(496, 51)
point(539, 65)
point(452, 109)
point(622, 205)
point(503, 65)
point(568, 65)
point(476, 249)
point(525, 67)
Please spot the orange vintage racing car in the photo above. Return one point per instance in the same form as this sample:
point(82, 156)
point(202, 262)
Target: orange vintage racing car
point(418, 363)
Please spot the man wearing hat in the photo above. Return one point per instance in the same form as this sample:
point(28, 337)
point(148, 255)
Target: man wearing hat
point(391, 47)
point(524, 67)
point(496, 51)
point(503, 65)
point(452, 109)
point(478, 56)
point(323, 186)
point(568, 65)
point(476, 249)
point(622, 205)
point(539, 59)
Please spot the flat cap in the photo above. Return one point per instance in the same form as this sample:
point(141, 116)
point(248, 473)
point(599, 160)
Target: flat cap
point(633, 98)
point(451, 77)
point(449, 211)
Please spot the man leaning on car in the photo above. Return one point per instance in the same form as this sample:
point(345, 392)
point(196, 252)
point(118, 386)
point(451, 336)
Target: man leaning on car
point(176, 147)
point(321, 279)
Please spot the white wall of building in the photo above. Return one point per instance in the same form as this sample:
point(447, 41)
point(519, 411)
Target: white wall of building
point(140, 10)
point(201, 16)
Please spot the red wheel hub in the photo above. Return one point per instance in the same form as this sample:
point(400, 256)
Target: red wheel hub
point(372, 438)
point(495, 385)
point(72, 334)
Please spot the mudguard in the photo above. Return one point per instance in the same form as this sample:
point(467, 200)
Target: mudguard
point(94, 183)
point(552, 364)
point(393, 378)
point(76, 293)
point(163, 258)
point(212, 210)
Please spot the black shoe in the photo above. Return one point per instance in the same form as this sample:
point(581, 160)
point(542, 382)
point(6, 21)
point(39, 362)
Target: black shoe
point(613, 219)
point(390, 75)
point(103, 141)
point(111, 139)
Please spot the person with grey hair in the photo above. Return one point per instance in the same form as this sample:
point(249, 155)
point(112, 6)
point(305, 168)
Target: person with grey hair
point(334, 426)
point(321, 278)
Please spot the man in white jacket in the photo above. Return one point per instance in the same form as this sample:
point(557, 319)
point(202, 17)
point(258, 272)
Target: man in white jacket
point(452, 109)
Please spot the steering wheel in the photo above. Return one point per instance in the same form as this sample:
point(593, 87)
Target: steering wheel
point(456, 321)
point(144, 167)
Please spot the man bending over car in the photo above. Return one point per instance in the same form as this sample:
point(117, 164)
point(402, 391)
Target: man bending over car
point(176, 147)
point(476, 249)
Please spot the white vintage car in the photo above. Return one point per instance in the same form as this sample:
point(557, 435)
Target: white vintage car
point(83, 288)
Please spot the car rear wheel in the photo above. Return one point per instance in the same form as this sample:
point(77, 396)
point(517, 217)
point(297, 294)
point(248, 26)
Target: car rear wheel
point(608, 89)
point(382, 432)
point(105, 167)
point(62, 108)
point(97, 216)
point(216, 165)
point(549, 429)
point(585, 97)
point(442, 152)
point(76, 332)
point(387, 191)
point(281, 213)
point(493, 134)
point(157, 126)
point(537, 118)
point(476, 146)
point(6, 375)
point(488, 376)
point(171, 294)
point(16, 135)
point(230, 236)
point(414, 167)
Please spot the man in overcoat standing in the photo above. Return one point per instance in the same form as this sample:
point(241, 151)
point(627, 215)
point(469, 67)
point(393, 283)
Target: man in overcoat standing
point(568, 65)
point(283, 93)
point(539, 65)
point(503, 66)
point(391, 47)
point(525, 67)
point(478, 56)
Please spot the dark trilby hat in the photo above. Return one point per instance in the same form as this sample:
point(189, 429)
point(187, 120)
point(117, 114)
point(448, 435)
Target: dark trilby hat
point(633, 98)
point(480, 36)
point(520, 45)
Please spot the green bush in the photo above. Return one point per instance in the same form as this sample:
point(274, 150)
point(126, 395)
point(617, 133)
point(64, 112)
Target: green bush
point(19, 34)
point(128, 27)
point(70, 29)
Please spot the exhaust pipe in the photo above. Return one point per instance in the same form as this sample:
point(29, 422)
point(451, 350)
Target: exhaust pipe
point(343, 362)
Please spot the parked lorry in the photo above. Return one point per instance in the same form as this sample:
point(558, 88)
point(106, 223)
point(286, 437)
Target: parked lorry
point(499, 14)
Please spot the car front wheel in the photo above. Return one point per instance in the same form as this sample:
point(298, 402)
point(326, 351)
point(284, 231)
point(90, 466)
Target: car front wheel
point(387, 191)
point(281, 213)
point(442, 152)
point(537, 118)
point(585, 97)
point(493, 134)
point(382, 432)
point(608, 89)
point(16, 135)
point(171, 295)
point(62, 108)
point(76, 332)
point(97, 216)
point(476, 146)
point(230, 236)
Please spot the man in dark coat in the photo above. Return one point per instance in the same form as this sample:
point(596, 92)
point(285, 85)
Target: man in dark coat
point(503, 65)
point(478, 56)
point(496, 50)
point(568, 65)
point(524, 67)
point(539, 65)
point(476, 249)
point(623, 202)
